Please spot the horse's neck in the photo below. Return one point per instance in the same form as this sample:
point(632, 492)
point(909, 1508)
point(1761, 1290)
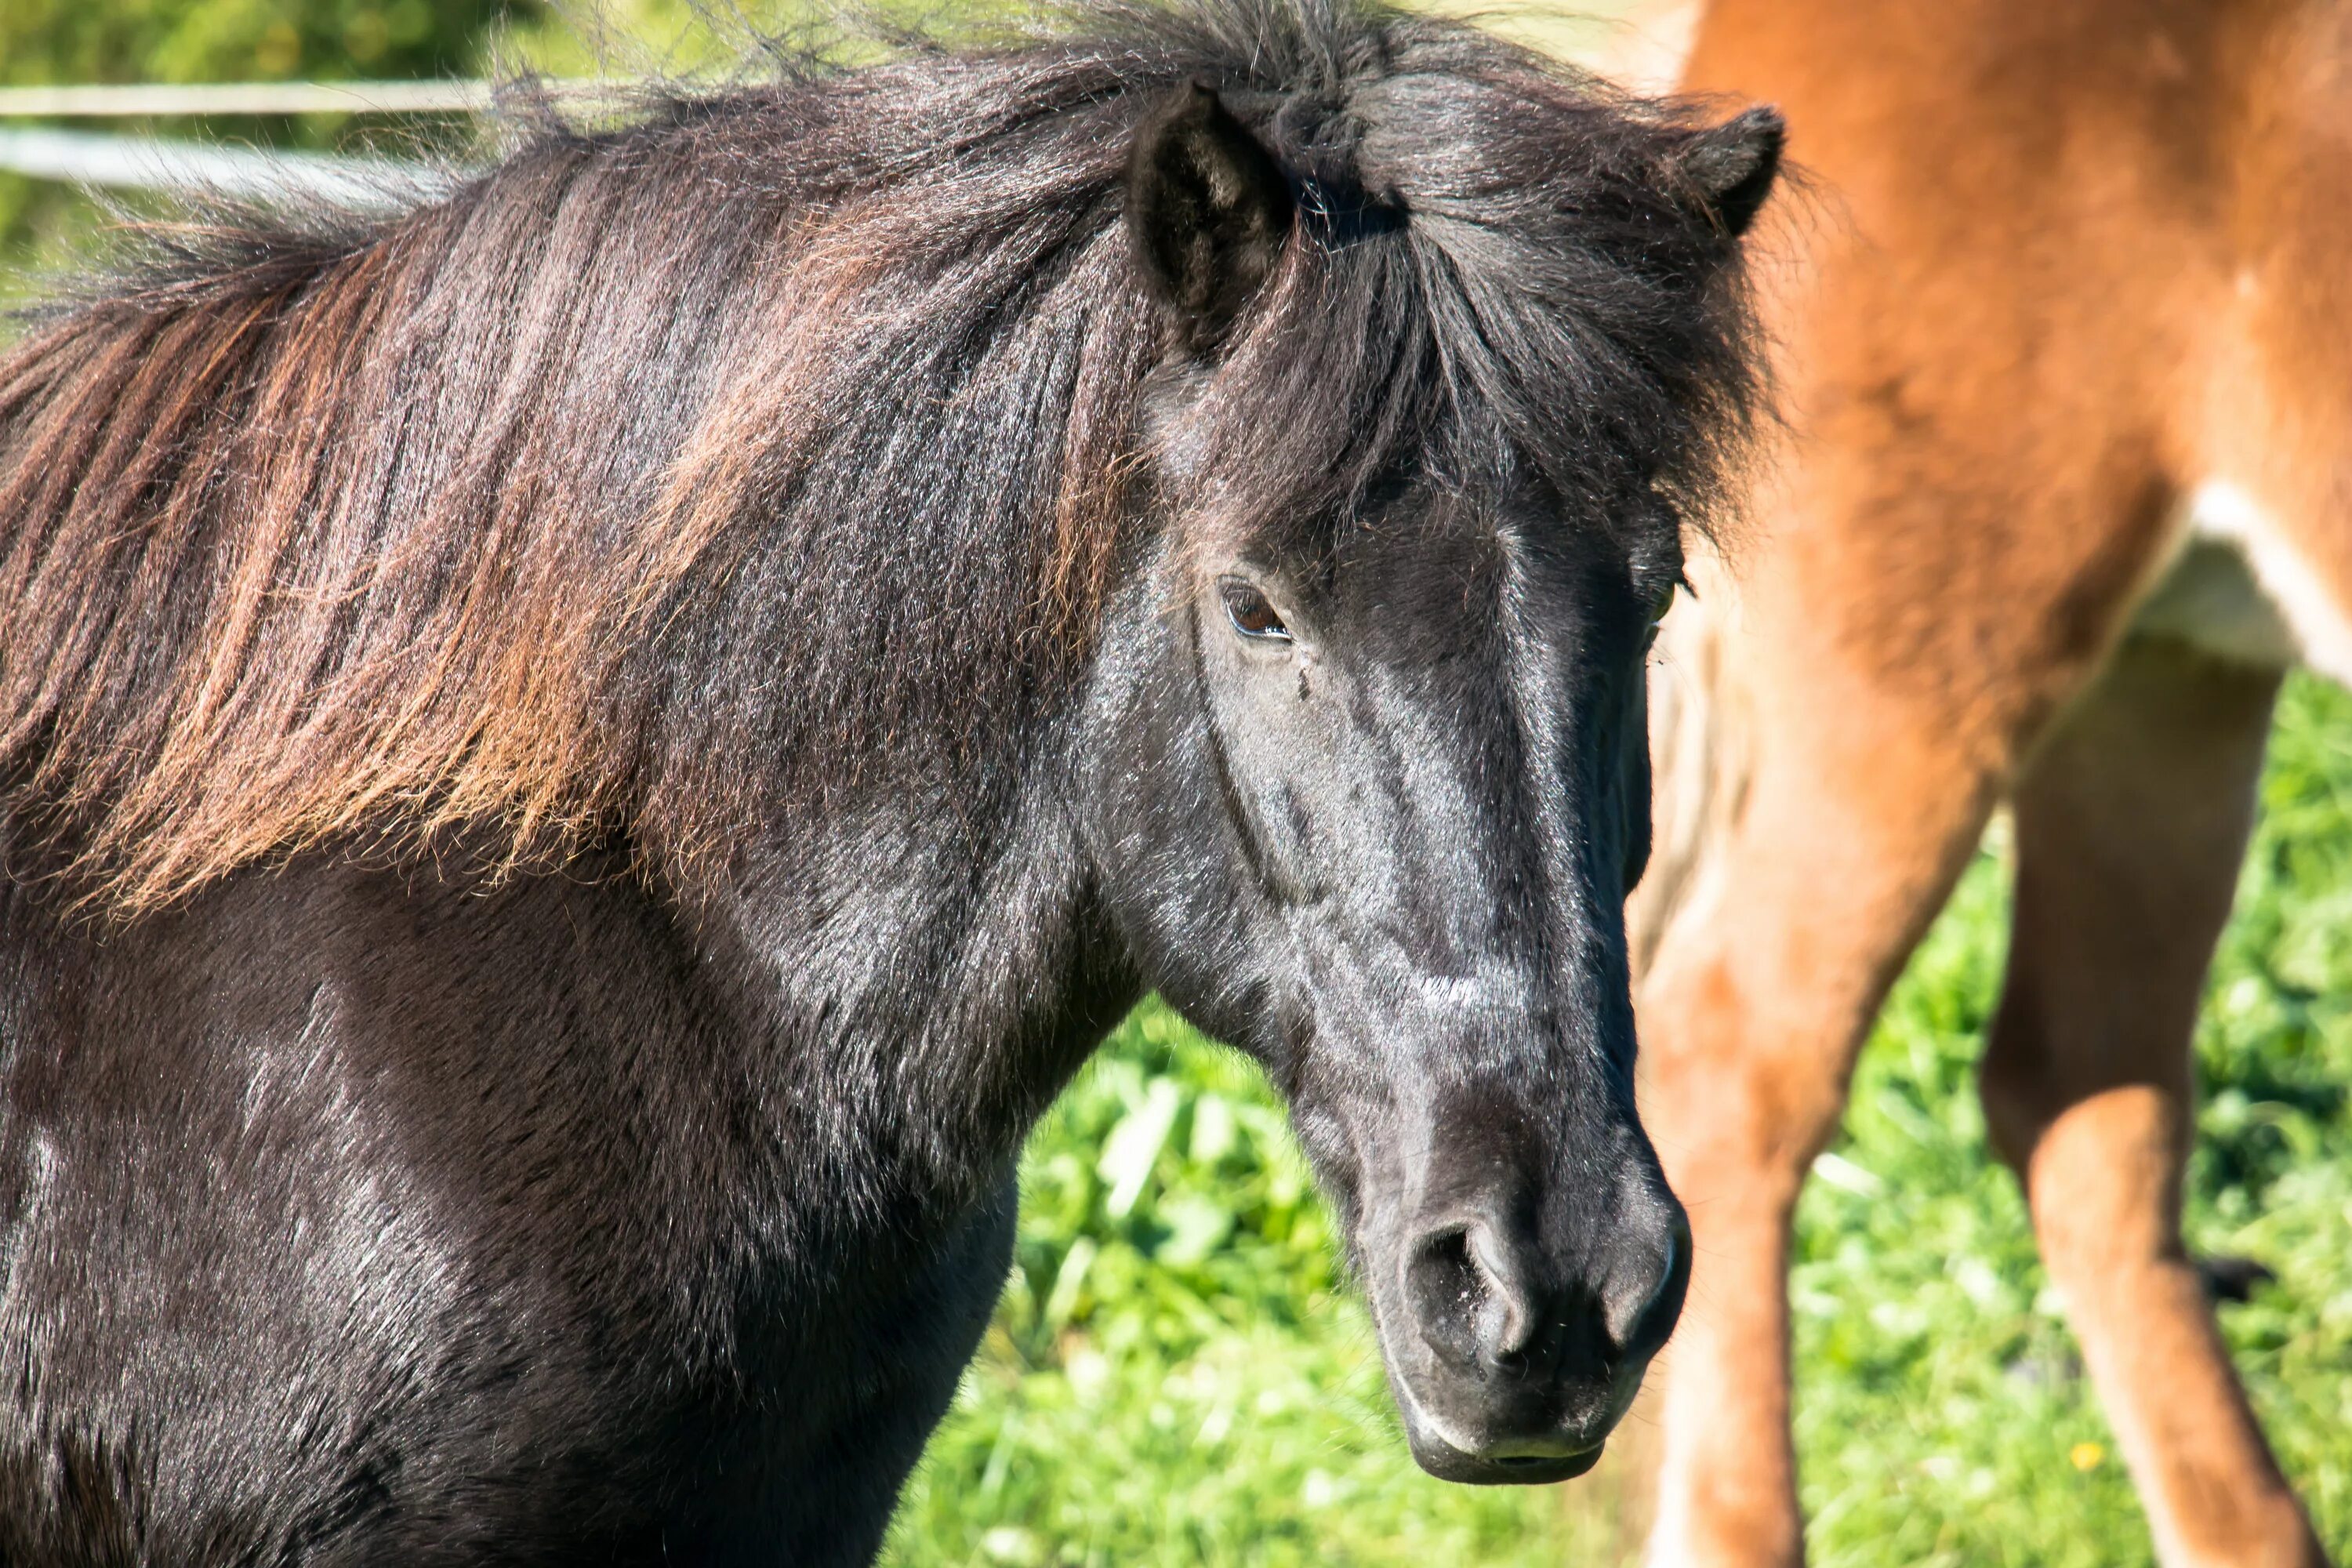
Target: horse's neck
point(922, 974)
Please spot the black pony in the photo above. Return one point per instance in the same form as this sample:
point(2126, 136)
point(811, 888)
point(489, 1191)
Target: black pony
point(577, 766)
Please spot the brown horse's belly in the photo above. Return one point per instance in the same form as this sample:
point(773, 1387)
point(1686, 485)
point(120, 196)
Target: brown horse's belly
point(2238, 589)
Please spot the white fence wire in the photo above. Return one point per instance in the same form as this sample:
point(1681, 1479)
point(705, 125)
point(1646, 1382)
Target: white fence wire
point(170, 98)
point(242, 172)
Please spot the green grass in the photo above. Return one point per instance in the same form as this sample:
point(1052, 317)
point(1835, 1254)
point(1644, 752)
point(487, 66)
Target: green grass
point(1177, 1375)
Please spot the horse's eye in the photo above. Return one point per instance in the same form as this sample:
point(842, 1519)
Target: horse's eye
point(1657, 613)
point(1251, 614)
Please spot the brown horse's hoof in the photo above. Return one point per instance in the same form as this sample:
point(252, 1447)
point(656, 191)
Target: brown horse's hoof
point(2232, 1278)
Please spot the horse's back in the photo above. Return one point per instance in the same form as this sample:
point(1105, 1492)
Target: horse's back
point(345, 1216)
point(2070, 307)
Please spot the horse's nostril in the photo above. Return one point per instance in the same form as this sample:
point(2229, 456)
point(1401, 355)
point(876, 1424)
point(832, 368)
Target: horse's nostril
point(1643, 1312)
point(1448, 1295)
point(1468, 1290)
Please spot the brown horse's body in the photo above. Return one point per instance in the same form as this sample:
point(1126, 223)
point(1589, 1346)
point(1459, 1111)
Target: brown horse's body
point(2063, 344)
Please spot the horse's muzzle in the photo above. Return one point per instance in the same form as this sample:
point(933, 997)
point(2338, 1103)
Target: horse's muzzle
point(1517, 1355)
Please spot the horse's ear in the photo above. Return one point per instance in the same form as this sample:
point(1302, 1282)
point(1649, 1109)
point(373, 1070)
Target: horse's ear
point(1732, 166)
point(1208, 209)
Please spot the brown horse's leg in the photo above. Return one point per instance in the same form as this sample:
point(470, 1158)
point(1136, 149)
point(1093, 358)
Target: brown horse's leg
point(2131, 825)
point(1853, 829)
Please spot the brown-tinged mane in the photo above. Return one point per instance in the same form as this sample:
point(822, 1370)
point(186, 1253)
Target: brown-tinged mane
point(662, 467)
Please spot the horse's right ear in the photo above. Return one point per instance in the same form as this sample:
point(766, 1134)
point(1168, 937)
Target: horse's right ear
point(1208, 209)
point(1732, 167)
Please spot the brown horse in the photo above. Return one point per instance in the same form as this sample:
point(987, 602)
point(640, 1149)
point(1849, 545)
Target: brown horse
point(2066, 487)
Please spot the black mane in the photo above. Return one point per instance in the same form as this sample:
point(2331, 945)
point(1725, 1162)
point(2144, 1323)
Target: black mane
point(592, 490)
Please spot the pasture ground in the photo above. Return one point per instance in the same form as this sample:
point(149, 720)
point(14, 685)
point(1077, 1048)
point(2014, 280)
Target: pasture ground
point(1177, 1375)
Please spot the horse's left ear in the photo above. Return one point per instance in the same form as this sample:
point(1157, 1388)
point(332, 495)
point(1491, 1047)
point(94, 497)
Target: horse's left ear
point(1732, 166)
point(1208, 209)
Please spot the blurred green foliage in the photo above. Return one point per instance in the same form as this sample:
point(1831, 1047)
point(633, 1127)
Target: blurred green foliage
point(51, 42)
point(46, 227)
point(46, 41)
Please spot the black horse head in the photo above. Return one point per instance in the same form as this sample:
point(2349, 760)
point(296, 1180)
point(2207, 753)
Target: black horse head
point(1388, 671)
